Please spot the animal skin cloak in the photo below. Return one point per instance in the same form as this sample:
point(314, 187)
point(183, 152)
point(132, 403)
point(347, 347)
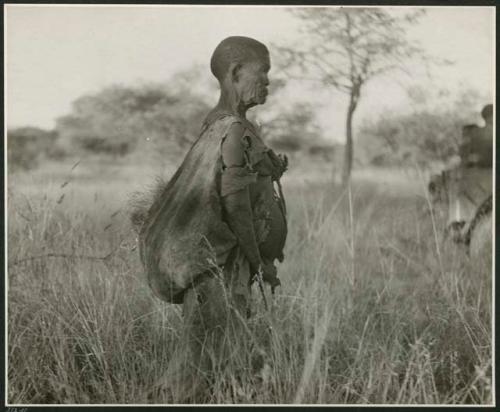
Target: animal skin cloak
point(184, 234)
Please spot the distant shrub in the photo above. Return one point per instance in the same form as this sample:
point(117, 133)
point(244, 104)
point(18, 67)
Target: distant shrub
point(326, 151)
point(27, 146)
point(97, 144)
point(293, 130)
point(287, 143)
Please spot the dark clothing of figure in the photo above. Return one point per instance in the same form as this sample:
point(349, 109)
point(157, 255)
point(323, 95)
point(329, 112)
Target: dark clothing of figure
point(485, 147)
point(258, 173)
point(476, 149)
point(469, 136)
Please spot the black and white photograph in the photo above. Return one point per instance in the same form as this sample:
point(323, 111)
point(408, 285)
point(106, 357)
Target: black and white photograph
point(249, 205)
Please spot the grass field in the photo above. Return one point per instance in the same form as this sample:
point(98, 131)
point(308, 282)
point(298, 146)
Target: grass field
point(375, 306)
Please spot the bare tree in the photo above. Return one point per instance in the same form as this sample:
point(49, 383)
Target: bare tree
point(345, 48)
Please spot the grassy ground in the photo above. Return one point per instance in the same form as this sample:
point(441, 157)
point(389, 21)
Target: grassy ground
point(375, 307)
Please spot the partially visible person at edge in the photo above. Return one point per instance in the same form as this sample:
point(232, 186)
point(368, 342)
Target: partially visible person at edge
point(477, 142)
point(218, 222)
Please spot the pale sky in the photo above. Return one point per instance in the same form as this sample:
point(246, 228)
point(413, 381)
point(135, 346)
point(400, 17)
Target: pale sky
point(54, 54)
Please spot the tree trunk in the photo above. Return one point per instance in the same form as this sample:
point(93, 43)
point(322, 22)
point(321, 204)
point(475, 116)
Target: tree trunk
point(349, 147)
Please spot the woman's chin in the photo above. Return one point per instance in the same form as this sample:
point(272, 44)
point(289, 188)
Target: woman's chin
point(256, 101)
point(262, 99)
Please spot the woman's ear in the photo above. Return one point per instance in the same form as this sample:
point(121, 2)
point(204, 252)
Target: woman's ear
point(234, 71)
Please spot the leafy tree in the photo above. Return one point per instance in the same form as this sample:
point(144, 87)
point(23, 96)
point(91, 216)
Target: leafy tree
point(428, 134)
point(345, 48)
point(160, 117)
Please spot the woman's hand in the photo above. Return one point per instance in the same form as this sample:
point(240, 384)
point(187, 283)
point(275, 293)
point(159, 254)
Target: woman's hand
point(270, 274)
point(284, 161)
point(280, 163)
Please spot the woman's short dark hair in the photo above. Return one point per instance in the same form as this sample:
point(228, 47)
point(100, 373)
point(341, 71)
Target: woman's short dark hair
point(237, 49)
point(487, 111)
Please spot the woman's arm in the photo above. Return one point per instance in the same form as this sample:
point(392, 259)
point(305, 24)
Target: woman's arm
point(235, 179)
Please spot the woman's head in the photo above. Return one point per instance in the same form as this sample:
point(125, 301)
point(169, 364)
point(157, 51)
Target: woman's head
point(487, 113)
point(241, 64)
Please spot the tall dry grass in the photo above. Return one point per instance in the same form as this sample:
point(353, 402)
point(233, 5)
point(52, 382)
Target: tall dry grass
point(375, 306)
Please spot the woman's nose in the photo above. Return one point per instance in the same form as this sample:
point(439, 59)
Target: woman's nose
point(265, 80)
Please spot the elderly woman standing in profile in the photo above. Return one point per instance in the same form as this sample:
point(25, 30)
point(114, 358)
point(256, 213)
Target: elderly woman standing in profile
point(218, 222)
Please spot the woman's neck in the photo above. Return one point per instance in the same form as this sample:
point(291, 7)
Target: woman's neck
point(229, 102)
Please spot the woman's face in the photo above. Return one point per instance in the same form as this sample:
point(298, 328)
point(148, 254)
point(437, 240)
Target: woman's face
point(251, 82)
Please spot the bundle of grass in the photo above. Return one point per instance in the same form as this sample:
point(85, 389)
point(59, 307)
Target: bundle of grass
point(140, 201)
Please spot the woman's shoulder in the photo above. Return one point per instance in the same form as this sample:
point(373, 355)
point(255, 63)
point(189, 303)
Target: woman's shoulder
point(233, 127)
point(221, 120)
